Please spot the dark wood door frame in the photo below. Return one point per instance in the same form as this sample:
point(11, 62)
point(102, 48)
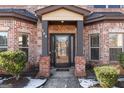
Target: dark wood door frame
point(78, 42)
point(79, 38)
point(52, 53)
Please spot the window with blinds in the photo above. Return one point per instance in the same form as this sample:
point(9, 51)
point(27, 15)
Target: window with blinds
point(24, 43)
point(94, 46)
point(115, 46)
point(3, 41)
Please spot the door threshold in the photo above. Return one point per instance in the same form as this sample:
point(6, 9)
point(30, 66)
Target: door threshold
point(62, 69)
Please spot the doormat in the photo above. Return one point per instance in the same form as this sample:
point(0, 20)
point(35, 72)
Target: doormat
point(62, 69)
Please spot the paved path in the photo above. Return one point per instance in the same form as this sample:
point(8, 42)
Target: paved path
point(62, 79)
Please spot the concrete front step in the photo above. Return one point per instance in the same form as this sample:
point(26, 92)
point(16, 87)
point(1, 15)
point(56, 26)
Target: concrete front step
point(62, 79)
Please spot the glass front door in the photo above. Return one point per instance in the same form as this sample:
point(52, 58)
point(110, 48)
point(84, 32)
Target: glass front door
point(61, 50)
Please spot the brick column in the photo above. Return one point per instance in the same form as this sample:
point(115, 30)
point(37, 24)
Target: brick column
point(44, 67)
point(44, 62)
point(80, 66)
point(79, 58)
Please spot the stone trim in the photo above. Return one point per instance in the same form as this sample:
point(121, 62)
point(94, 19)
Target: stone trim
point(5, 29)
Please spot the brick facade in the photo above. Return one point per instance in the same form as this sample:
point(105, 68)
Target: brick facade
point(80, 63)
point(15, 26)
point(103, 28)
point(44, 67)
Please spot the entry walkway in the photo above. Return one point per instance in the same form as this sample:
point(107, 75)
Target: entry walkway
point(62, 79)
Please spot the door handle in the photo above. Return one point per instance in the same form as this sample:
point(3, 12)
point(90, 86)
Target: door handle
point(55, 51)
point(49, 53)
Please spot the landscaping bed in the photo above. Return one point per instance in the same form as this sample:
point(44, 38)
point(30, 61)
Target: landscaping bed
point(23, 82)
point(93, 83)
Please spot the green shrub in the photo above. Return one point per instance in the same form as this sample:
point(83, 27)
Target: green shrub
point(121, 59)
point(106, 75)
point(13, 62)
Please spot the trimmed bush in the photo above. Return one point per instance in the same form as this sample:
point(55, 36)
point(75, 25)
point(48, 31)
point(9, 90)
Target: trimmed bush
point(121, 59)
point(13, 62)
point(106, 75)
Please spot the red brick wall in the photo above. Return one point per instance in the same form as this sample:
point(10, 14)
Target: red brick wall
point(44, 67)
point(103, 28)
point(80, 63)
point(14, 27)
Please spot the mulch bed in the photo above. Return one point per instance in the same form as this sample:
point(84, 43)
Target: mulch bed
point(120, 84)
point(90, 72)
point(13, 83)
point(96, 86)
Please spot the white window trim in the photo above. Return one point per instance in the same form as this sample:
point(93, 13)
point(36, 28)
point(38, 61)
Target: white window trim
point(21, 47)
point(93, 47)
point(121, 6)
point(24, 33)
point(4, 29)
point(116, 47)
point(122, 41)
point(4, 46)
point(107, 6)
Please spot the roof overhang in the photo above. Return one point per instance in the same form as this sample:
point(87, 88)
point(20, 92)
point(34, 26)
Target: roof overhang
point(19, 16)
point(72, 8)
point(105, 18)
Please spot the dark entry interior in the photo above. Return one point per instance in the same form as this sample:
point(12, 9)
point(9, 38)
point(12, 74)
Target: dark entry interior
point(62, 50)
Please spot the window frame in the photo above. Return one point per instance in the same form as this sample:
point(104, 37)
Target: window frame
point(24, 47)
point(4, 46)
point(94, 47)
point(98, 6)
point(114, 5)
point(121, 6)
point(108, 6)
point(28, 40)
point(116, 47)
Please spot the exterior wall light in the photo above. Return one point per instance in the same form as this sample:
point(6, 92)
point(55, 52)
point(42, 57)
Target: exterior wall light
point(62, 21)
